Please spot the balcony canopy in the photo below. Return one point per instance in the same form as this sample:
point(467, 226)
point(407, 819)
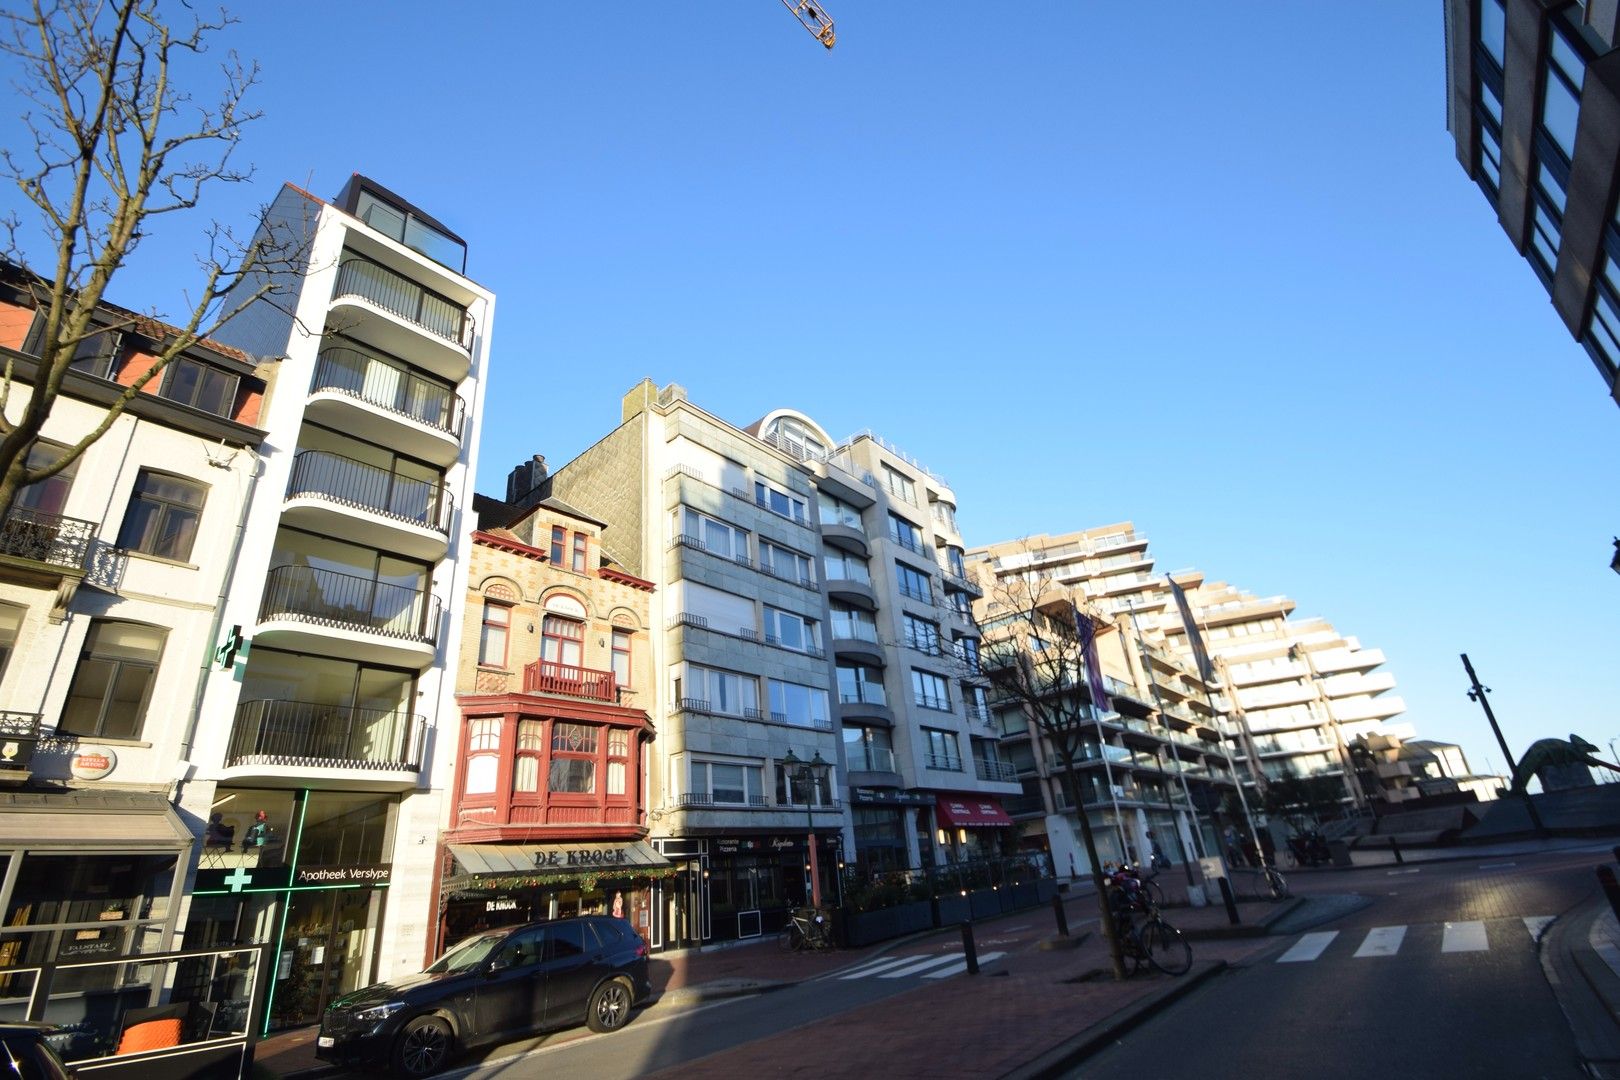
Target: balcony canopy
point(970, 812)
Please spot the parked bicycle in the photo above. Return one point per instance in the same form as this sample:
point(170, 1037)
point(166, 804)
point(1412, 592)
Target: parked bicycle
point(806, 929)
point(1265, 883)
point(1146, 939)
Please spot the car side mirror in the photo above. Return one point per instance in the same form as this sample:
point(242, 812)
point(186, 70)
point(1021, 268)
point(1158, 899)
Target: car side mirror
point(497, 966)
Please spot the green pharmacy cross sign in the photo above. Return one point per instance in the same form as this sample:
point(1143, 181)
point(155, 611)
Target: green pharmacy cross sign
point(237, 879)
point(230, 646)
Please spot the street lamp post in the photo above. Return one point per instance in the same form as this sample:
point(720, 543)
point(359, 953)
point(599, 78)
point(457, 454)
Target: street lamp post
point(810, 774)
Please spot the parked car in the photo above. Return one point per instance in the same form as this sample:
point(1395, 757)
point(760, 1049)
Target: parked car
point(491, 986)
point(25, 1055)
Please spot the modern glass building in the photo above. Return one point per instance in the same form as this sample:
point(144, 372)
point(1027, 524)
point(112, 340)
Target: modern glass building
point(1533, 103)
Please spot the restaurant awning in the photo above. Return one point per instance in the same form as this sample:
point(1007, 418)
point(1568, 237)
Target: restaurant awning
point(970, 812)
point(495, 860)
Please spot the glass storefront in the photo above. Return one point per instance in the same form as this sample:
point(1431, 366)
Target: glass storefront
point(307, 870)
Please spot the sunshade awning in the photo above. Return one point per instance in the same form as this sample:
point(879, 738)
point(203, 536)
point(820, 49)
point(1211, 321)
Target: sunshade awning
point(970, 812)
point(493, 860)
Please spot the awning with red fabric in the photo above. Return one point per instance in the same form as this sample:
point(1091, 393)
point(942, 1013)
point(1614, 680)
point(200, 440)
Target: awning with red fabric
point(970, 812)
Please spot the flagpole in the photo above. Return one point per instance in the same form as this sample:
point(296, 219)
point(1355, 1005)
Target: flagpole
point(1158, 703)
point(1087, 641)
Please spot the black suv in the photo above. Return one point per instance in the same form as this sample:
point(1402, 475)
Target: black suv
point(490, 986)
point(25, 1055)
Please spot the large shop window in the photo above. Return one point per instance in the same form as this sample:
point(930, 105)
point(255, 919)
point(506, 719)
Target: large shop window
point(82, 907)
point(249, 827)
point(113, 681)
point(346, 829)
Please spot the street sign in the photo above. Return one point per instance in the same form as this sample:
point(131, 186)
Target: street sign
point(1212, 867)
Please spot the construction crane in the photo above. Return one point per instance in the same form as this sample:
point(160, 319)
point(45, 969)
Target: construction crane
point(815, 19)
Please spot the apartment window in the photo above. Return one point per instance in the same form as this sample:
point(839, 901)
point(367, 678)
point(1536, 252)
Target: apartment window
point(905, 533)
point(930, 691)
point(914, 583)
point(11, 616)
point(50, 495)
point(559, 544)
point(921, 634)
point(579, 553)
point(493, 634)
point(868, 749)
point(483, 755)
point(967, 650)
point(945, 516)
point(713, 535)
point(834, 511)
point(621, 657)
point(724, 782)
point(779, 502)
point(201, 386)
point(941, 750)
point(978, 702)
point(842, 566)
point(801, 706)
point(853, 624)
point(791, 630)
point(112, 684)
point(562, 641)
point(618, 752)
point(860, 683)
point(961, 604)
point(573, 759)
point(784, 563)
point(95, 354)
point(1493, 29)
point(162, 516)
point(719, 691)
point(411, 231)
point(531, 747)
point(1561, 103)
point(899, 484)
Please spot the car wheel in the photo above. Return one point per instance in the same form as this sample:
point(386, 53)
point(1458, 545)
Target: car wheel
point(610, 1006)
point(423, 1047)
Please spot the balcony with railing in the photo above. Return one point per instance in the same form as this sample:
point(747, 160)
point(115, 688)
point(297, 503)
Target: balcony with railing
point(388, 310)
point(49, 545)
point(550, 677)
point(19, 734)
point(307, 609)
point(872, 759)
point(943, 762)
point(325, 736)
point(340, 496)
point(992, 769)
point(386, 403)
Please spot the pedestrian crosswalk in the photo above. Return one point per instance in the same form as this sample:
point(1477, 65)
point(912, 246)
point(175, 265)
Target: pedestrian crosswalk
point(1382, 941)
point(937, 966)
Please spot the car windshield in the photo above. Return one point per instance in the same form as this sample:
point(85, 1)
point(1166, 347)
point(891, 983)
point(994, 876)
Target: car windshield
point(468, 954)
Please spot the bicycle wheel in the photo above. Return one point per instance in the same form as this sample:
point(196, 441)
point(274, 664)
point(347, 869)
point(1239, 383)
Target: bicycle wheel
point(1155, 892)
point(1291, 858)
point(1164, 947)
point(788, 939)
point(1276, 885)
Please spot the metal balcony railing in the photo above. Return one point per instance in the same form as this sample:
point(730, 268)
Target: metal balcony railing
point(992, 769)
point(550, 677)
point(873, 759)
point(390, 386)
point(352, 483)
point(394, 292)
point(328, 735)
point(19, 733)
point(943, 761)
point(704, 798)
point(46, 538)
point(864, 693)
point(348, 601)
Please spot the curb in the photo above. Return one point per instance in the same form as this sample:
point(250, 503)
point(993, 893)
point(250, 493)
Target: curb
point(1259, 928)
point(1069, 1053)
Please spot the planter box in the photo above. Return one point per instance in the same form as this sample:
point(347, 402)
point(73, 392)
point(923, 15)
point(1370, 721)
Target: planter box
point(1045, 889)
point(865, 927)
point(985, 902)
point(952, 909)
point(1025, 895)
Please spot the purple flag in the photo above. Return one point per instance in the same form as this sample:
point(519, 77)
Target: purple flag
point(1194, 638)
point(1088, 651)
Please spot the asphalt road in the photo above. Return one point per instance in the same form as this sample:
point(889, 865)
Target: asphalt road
point(1437, 976)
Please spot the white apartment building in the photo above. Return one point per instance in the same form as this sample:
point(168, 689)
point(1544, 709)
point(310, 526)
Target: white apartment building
point(312, 778)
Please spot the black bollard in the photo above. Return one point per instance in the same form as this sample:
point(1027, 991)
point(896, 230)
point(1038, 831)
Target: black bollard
point(1611, 888)
point(1062, 916)
point(1231, 901)
point(1395, 846)
point(1616, 850)
point(968, 950)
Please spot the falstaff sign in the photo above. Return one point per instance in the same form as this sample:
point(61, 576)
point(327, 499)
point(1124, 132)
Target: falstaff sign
point(598, 856)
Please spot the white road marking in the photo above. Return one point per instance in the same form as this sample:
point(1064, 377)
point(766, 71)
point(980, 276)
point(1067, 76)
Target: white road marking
point(921, 965)
point(877, 966)
point(1413, 870)
point(1495, 865)
point(958, 968)
point(1464, 937)
point(1537, 925)
point(1308, 947)
point(1382, 941)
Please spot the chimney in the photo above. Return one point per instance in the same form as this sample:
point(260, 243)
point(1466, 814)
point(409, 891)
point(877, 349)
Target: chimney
point(523, 483)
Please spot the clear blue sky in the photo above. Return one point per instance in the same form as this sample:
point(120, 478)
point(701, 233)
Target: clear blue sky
point(1216, 272)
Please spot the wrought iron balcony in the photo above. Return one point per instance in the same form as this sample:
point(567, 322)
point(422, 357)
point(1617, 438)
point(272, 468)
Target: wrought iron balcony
point(46, 538)
point(549, 677)
point(307, 733)
point(395, 293)
point(389, 386)
point(19, 734)
point(349, 602)
point(356, 484)
point(705, 799)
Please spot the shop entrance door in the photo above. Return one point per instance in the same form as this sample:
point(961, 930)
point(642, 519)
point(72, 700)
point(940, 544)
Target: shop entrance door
point(326, 952)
